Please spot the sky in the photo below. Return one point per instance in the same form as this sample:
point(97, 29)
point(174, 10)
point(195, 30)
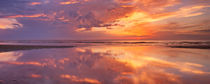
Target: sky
point(104, 19)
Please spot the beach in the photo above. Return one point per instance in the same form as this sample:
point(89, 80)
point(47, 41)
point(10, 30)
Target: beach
point(6, 48)
point(105, 63)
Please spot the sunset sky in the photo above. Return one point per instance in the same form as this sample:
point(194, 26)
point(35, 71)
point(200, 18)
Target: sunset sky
point(104, 19)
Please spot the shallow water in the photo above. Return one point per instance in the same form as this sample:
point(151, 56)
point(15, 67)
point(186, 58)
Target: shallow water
point(106, 64)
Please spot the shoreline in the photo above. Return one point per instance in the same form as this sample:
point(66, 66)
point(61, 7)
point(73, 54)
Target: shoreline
point(7, 48)
point(192, 47)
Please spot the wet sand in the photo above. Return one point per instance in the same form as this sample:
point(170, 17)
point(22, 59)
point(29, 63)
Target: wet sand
point(194, 47)
point(6, 48)
point(106, 65)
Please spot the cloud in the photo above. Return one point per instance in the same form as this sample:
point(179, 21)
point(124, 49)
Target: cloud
point(108, 17)
point(34, 3)
point(69, 2)
point(141, 23)
point(24, 16)
point(191, 11)
point(6, 23)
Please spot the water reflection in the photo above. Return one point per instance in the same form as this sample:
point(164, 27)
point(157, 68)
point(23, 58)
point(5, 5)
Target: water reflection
point(106, 65)
point(10, 56)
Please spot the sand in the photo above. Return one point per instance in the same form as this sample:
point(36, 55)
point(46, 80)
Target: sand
point(6, 48)
point(194, 47)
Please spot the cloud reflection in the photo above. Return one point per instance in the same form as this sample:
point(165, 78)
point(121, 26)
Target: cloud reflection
point(104, 65)
point(10, 56)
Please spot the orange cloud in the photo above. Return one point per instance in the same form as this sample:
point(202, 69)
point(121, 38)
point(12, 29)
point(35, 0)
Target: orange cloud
point(9, 23)
point(27, 63)
point(34, 3)
point(76, 79)
point(29, 16)
point(191, 11)
point(69, 2)
point(142, 23)
point(148, 5)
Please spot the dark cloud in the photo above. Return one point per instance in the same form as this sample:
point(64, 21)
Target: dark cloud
point(14, 7)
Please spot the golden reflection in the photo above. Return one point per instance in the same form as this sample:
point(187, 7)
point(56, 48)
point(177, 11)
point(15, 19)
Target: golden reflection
point(62, 61)
point(148, 68)
point(106, 65)
point(9, 56)
point(35, 75)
